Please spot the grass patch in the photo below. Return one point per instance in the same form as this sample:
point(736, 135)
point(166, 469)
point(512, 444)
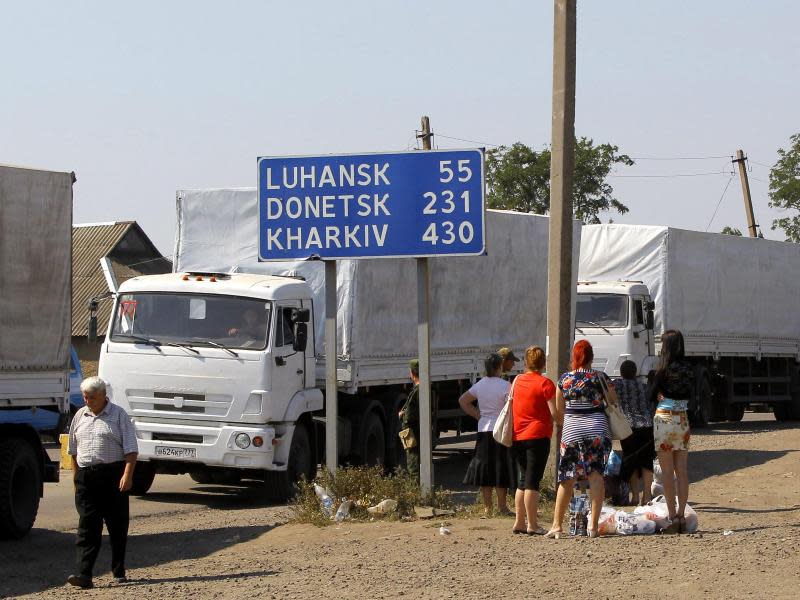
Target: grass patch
point(365, 487)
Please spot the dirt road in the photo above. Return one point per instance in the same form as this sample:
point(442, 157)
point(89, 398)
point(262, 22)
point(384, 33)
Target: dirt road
point(745, 479)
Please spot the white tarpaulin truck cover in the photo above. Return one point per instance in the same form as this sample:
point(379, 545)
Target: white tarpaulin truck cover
point(704, 284)
point(35, 269)
point(477, 303)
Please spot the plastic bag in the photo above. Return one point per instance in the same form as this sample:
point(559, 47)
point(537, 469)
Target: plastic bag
point(632, 524)
point(607, 524)
point(383, 507)
point(614, 464)
point(656, 510)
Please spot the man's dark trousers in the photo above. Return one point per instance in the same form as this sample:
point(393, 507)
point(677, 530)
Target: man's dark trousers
point(98, 499)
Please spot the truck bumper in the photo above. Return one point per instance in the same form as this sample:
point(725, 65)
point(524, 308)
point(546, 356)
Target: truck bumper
point(204, 445)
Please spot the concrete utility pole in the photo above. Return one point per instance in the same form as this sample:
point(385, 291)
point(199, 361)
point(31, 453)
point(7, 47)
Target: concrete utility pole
point(424, 351)
point(562, 163)
point(748, 203)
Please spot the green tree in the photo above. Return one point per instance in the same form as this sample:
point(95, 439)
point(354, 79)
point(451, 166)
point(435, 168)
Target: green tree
point(784, 189)
point(728, 230)
point(518, 178)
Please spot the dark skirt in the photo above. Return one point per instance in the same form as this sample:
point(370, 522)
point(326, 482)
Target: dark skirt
point(638, 452)
point(530, 459)
point(491, 465)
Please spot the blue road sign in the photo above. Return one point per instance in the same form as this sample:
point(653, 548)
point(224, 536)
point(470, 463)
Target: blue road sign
point(427, 203)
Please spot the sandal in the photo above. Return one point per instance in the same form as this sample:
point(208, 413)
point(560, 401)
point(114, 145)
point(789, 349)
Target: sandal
point(518, 531)
point(592, 533)
point(554, 534)
point(538, 531)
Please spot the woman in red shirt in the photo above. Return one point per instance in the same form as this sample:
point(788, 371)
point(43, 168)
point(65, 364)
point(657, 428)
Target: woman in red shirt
point(534, 409)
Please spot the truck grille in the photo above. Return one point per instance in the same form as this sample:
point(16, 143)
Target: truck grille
point(178, 437)
point(178, 403)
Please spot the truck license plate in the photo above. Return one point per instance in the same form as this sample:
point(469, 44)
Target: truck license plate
point(174, 452)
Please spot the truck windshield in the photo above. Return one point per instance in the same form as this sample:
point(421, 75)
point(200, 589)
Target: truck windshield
point(192, 319)
point(601, 310)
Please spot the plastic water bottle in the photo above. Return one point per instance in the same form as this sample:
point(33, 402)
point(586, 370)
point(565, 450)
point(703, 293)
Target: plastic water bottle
point(325, 500)
point(343, 512)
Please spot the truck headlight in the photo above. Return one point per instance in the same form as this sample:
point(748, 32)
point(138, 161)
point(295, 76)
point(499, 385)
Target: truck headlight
point(242, 440)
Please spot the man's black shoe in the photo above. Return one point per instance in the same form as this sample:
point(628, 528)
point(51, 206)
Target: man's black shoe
point(80, 581)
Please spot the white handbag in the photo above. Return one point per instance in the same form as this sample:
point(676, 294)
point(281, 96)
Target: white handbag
point(617, 422)
point(503, 431)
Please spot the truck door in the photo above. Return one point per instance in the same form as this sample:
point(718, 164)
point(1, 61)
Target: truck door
point(289, 365)
point(641, 335)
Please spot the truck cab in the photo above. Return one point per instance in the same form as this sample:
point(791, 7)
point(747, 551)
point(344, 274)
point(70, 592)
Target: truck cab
point(217, 373)
point(616, 317)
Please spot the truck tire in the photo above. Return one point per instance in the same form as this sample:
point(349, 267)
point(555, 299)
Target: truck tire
point(734, 412)
point(282, 485)
point(786, 411)
point(20, 482)
point(373, 441)
point(701, 415)
point(203, 477)
point(143, 476)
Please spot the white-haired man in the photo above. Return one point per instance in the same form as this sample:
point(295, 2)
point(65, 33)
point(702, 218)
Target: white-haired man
point(102, 444)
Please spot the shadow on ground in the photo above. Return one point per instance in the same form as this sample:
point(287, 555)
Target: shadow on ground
point(748, 427)
point(43, 560)
point(246, 494)
point(710, 463)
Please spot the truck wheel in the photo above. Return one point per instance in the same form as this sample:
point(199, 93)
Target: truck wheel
point(702, 412)
point(734, 412)
point(20, 482)
point(143, 476)
point(203, 477)
point(282, 485)
point(373, 441)
point(786, 412)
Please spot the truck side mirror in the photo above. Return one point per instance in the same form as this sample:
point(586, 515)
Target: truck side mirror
point(92, 335)
point(301, 315)
point(300, 337)
point(649, 320)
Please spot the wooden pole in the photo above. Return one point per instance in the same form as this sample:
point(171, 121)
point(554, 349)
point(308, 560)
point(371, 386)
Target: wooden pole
point(560, 331)
point(748, 203)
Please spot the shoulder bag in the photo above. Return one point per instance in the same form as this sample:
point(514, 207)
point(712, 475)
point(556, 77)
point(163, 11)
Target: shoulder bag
point(617, 422)
point(503, 431)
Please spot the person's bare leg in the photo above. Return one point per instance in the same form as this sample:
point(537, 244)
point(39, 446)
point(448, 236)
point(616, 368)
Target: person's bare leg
point(519, 508)
point(635, 481)
point(531, 509)
point(647, 486)
point(502, 502)
point(486, 491)
point(597, 492)
point(668, 480)
point(681, 460)
point(562, 500)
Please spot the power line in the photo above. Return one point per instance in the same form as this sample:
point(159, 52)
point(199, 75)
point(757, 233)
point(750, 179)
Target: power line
point(678, 157)
point(676, 175)
point(719, 202)
point(450, 137)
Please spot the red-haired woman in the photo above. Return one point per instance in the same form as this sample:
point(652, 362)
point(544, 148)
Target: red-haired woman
point(585, 439)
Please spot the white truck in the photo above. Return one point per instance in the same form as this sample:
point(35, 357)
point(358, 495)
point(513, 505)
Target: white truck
point(732, 297)
point(224, 380)
point(35, 313)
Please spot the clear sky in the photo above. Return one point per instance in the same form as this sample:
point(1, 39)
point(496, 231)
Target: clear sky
point(143, 98)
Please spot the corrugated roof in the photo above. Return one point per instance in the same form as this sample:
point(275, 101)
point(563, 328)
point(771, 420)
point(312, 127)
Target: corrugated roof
point(92, 242)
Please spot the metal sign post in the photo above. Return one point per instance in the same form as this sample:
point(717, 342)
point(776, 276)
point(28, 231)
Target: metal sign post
point(331, 396)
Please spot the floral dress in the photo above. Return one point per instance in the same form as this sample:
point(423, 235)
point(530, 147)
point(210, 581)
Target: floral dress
point(585, 438)
point(672, 388)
